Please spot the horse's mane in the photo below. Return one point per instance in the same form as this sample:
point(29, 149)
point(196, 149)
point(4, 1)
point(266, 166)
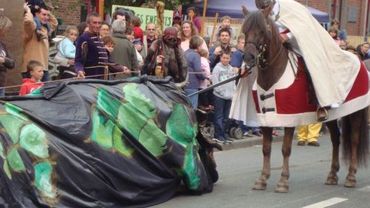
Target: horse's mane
point(257, 21)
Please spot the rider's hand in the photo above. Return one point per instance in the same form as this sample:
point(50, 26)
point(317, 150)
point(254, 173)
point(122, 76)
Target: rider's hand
point(2, 60)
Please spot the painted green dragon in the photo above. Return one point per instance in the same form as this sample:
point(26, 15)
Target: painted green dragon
point(96, 144)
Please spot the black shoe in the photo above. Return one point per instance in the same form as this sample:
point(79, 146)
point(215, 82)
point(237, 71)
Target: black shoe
point(257, 133)
point(301, 143)
point(314, 144)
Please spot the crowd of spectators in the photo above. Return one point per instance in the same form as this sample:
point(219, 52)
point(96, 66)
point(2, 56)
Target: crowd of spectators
point(114, 50)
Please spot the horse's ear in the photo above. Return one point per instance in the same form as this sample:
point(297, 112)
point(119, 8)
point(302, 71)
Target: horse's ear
point(245, 11)
point(267, 11)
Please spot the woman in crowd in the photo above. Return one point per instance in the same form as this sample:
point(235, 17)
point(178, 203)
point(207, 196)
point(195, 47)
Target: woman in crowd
point(188, 30)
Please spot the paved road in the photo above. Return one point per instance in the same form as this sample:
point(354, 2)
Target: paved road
point(309, 167)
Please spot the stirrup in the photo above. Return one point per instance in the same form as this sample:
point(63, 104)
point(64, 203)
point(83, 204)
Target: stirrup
point(322, 116)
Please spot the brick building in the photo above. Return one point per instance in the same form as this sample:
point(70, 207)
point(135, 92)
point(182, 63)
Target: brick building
point(351, 13)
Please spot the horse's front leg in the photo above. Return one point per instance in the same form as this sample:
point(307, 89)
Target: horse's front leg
point(283, 184)
point(332, 178)
point(261, 182)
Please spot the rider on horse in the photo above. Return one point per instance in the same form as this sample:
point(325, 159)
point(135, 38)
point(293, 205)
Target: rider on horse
point(332, 70)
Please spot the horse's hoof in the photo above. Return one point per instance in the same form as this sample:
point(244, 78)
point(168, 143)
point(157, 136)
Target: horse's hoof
point(350, 183)
point(280, 188)
point(332, 180)
point(259, 185)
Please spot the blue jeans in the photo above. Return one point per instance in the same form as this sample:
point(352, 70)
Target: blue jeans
point(221, 116)
point(2, 92)
point(193, 99)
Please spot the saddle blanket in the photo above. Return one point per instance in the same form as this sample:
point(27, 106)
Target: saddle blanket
point(286, 103)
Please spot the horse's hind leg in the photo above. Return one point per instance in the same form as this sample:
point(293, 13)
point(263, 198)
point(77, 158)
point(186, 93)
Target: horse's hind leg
point(283, 184)
point(261, 182)
point(332, 178)
point(351, 140)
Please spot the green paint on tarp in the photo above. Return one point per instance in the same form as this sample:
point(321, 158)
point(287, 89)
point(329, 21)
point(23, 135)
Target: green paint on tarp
point(153, 138)
point(107, 103)
point(2, 155)
point(138, 101)
point(15, 110)
point(43, 182)
point(119, 145)
point(102, 130)
point(15, 160)
point(190, 169)
point(7, 170)
point(33, 139)
point(179, 127)
point(12, 126)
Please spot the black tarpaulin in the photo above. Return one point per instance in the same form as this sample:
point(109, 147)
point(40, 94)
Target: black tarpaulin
point(98, 144)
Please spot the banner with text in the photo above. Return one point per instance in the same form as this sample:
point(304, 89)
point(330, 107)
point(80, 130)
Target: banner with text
point(147, 15)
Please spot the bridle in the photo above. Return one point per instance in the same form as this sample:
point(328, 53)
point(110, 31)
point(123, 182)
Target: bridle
point(260, 58)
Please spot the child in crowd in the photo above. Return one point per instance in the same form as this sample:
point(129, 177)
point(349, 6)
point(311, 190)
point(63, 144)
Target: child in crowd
point(223, 95)
point(108, 43)
point(204, 101)
point(36, 70)
point(225, 23)
point(66, 53)
point(138, 32)
point(333, 32)
point(194, 69)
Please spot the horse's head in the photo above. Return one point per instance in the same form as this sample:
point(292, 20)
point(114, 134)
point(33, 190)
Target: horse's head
point(258, 34)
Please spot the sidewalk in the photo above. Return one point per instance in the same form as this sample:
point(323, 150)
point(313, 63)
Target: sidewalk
point(251, 141)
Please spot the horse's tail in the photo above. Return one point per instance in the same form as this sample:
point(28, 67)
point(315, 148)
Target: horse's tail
point(358, 119)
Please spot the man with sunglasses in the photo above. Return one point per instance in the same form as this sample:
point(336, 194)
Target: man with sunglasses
point(332, 70)
point(149, 37)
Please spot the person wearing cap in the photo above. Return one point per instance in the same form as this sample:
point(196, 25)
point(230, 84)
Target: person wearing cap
point(332, 70)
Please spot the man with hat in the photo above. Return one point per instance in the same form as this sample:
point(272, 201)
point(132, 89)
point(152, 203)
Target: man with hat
point(332, 70)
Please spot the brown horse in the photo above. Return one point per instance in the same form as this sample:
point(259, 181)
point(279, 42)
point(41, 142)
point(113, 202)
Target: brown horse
point(264, 50)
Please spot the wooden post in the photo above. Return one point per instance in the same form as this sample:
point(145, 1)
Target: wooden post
point(205, 5)
point(100, 8)
point(214, 28)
